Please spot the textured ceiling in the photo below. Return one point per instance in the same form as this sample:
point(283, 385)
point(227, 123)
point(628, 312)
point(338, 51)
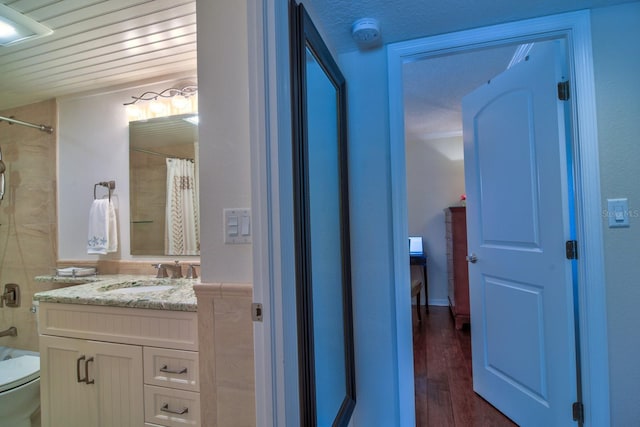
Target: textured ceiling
point(408, 19)
point(433, 90)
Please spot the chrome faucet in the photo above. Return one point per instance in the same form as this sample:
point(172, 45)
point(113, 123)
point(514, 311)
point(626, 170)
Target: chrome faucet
point(176, 270)
point(11, 332)
point(162, 270)
point(192, 272)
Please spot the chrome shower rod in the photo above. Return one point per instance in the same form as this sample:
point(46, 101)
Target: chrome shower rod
point(155, 153)
point(43, 128)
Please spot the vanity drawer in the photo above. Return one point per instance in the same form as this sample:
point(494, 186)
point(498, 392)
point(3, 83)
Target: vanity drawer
point(171, 368)
point(170, 407)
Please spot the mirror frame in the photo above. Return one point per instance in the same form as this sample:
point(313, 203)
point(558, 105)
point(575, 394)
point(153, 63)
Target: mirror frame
point(303, 35)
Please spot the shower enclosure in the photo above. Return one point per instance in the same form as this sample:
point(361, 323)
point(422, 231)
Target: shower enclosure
point(11, 121)
point(28, 220)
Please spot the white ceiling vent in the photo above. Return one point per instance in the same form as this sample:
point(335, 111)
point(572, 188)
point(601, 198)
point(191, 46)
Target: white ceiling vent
point(366, 32)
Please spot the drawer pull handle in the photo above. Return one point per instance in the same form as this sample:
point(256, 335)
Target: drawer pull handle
point(78, 362)
point(86, 371)
point(165, 408)
point(166, 370)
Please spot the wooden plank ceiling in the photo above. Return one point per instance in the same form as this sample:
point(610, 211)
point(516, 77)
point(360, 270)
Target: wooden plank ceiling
point(97, 44)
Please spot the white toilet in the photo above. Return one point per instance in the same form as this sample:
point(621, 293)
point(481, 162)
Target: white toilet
point(19, 390)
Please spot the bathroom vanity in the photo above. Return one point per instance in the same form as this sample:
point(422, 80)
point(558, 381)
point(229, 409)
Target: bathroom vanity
point(121, 351)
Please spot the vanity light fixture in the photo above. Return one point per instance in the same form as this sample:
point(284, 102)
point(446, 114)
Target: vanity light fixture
point(17, 27)
point(171, 101)
point(183, 93)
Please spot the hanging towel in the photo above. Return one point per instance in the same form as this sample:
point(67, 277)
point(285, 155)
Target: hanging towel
point(103, 235)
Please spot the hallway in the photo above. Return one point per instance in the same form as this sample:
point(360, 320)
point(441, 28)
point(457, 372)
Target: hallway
point(442, 370)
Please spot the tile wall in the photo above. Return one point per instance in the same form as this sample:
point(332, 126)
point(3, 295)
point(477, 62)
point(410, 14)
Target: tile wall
point(225, 334)
point(27, 215)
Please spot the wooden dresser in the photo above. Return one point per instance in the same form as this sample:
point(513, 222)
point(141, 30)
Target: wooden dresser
point(456, 235)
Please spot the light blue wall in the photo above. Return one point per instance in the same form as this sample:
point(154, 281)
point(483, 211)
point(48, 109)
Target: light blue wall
point(617, 67)
point(371, 240)
point(376, 358)
point(616, 51)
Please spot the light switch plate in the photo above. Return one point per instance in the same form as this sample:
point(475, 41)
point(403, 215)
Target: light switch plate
point(237, 226)
point(618, 212)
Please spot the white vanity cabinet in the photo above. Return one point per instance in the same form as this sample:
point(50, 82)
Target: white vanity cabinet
point(113, 366)
point(90, 383)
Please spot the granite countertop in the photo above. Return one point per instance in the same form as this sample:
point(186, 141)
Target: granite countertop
point(135, 291)
point(78, 280)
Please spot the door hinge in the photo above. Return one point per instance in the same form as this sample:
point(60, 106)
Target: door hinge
point(563, 91)
point(256, 312)
point(571, 247)
point(578, 412)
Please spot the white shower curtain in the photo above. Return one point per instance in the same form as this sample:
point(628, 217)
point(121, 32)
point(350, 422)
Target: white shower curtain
point(182, 234)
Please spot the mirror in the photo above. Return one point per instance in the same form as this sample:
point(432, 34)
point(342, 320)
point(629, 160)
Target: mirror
point(163, 162)
point(323, 267)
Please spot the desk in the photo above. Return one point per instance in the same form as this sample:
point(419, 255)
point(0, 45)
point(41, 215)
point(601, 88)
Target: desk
point(421, 260)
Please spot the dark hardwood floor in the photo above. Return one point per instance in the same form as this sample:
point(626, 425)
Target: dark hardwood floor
point(442, 366)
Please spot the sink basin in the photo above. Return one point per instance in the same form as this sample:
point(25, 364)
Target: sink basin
point(140, 289)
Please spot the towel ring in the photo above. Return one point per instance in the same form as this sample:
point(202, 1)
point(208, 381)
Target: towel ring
point(111, 185)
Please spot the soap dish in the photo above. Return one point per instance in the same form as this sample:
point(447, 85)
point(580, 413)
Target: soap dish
point(76, 271)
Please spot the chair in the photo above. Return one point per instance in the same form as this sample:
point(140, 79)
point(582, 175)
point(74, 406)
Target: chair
point(416, 288)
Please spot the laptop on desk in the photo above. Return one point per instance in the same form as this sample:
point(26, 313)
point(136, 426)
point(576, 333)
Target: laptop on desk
point(415, 246)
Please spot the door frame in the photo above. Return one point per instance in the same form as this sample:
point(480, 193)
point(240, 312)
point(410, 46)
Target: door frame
point(576, 28)
point(275, 337)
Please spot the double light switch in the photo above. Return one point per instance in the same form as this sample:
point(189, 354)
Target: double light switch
point(237, 226)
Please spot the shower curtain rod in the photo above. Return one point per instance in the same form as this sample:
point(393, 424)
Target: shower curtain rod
point(154, 153)
point(43, 128)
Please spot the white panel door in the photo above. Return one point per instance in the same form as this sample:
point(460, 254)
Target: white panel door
point(520, 286)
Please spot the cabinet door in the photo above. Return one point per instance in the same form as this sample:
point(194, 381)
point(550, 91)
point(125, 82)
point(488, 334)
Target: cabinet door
point(113, 396)
point(64, 401)
point(117, 372)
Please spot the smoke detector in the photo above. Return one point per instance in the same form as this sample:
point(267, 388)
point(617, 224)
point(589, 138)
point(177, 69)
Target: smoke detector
point(366, 32)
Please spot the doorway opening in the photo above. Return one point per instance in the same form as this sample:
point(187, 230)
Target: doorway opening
point(575, 28)
point(433, 93)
